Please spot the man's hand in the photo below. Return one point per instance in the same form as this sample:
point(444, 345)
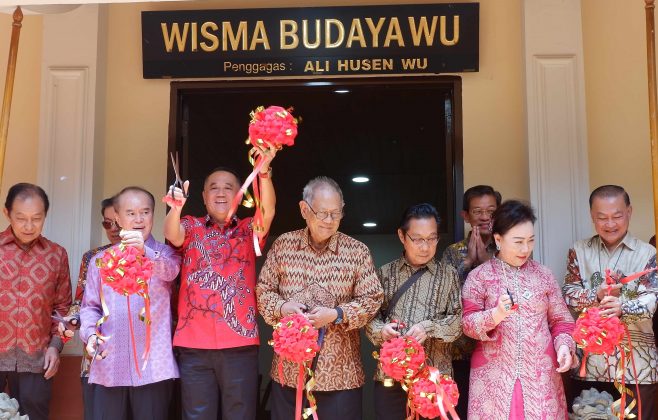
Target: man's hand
point(482, 254)
point(602, 290)
point(51, 362)
point(472, 248)
point(267, 154)
point(66, 330)
point(418, 332)
point(179, 196)
point(611, 306)
point(321, 316)
point(390, 331)
point(132, 238)
point(292, 307)
point(92, 343)
point(564, 359)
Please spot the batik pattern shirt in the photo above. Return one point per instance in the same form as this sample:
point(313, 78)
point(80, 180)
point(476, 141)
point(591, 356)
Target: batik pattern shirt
point(586, 265)
point(455, 255)
point(341, 275)
point(217, 300)
point(34, 284)
point(433, 301)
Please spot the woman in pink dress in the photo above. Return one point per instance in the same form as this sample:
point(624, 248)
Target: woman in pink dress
point(514, 308)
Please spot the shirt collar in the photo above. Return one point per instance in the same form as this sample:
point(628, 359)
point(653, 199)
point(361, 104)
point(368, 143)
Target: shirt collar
point(209, 222)
point(7, 236)
point(629, 241)
point(305, 241)
point(431, 265)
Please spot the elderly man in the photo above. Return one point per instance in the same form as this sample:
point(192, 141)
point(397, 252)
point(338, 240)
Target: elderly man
point(614, 248)
point(217, 332)
point(330, 277)
point(421, 299)
point(123, 389)
point(73, 317)
point(479, 204)
point(34, 285)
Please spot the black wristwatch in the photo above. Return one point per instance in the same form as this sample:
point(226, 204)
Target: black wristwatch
point(339, 318)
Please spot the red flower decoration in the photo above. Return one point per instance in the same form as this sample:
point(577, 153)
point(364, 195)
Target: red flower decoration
point(402, 358)
point(432, 400)
point(272, 126)
point(295, 339)
point(596, 334)
point(125, 269)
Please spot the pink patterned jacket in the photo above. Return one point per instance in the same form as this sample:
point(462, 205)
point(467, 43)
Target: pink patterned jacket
point(522, 347)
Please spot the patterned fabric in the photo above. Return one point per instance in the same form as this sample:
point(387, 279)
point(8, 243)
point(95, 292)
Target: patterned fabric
point(34, 283)
point(434, 301)
point(522, 347)
point(342, 274)
point(217, 304)
point(454, 255)
point(118, 368)
point(79, 292)
point(586, 265)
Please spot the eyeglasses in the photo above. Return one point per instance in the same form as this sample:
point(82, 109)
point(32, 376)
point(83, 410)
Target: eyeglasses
point(482, 212)
point(322, 215)
point(108, 224)
point(423, 241)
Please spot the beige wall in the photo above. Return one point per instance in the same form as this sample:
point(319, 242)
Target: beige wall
point(617, 103)
point(138, 109)
point(23, 137)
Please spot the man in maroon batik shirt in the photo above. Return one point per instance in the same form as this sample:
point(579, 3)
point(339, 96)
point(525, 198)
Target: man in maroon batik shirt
point(34, 285)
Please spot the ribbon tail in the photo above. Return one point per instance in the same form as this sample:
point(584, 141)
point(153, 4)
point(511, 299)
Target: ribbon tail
point(299, 393)
point(132, 338)
point(146, 318)
point(634, 276)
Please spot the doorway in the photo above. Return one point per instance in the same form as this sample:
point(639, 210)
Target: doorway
point(402, 134)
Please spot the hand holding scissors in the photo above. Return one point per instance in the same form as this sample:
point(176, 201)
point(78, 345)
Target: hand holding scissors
point(178, 191)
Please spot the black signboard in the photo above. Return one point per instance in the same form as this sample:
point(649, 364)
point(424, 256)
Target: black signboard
point(363, 40)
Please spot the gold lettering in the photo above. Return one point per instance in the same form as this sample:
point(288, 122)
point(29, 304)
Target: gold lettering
point(356, 28)
point(174, 35)
point(375, 30)
point(205, 33)
point(342, 65)
point(309, 66)
point(289, 33)
point(259, 37)
point(306, 42)
point(195, 43)
point(234, 37)
point(428, 33)
point(327, 33)
point(394, 33)
point(455, 31)
point(388, 64)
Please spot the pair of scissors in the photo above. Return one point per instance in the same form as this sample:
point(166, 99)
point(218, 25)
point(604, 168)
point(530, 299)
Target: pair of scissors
point(179, 182)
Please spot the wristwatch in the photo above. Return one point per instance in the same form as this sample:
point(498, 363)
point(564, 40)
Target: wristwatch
point(339, 318)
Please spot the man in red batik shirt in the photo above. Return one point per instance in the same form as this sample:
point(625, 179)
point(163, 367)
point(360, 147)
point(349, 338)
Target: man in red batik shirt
point(217, 334)
point(34, 285)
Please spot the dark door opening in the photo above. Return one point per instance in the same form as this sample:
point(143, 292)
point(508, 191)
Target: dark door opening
point(403, 134)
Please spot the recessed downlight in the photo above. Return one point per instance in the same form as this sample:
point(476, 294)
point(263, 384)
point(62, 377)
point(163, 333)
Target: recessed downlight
point(360, 179)
point(370, 224)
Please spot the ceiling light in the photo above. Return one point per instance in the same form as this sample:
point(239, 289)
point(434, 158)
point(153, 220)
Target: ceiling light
point(341, 91)
point(370, 224)
point(360, 179)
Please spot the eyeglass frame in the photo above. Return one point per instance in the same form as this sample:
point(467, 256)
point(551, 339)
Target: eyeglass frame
point(328, 214)
point(112, 224)
point(480, 212)
point(423, 241)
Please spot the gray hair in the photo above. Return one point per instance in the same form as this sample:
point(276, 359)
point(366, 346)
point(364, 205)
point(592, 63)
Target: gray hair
point(320, 182)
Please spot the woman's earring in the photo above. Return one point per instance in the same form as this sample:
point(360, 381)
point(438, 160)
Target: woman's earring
point(497, 246)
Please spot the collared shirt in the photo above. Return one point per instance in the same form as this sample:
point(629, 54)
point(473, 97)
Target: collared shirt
point(217, 303)
point(79, 293)
point(455, 255)
point(341, 275)
point(118, 368)
point(586, 265)
point(433, 301)
point(34, 283)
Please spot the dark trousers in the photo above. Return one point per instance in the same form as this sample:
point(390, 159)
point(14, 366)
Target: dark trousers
point(31, 390)
point(146, 402)
point(647, 395)
point(390, 402)
point(88, 397)
point(332, 405)
point(208, 375)
point(462, 373)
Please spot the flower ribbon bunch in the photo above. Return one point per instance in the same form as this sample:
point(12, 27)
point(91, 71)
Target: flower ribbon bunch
point(126, 270)
point(296, 340)
point(430, 394)
point(272, 126)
